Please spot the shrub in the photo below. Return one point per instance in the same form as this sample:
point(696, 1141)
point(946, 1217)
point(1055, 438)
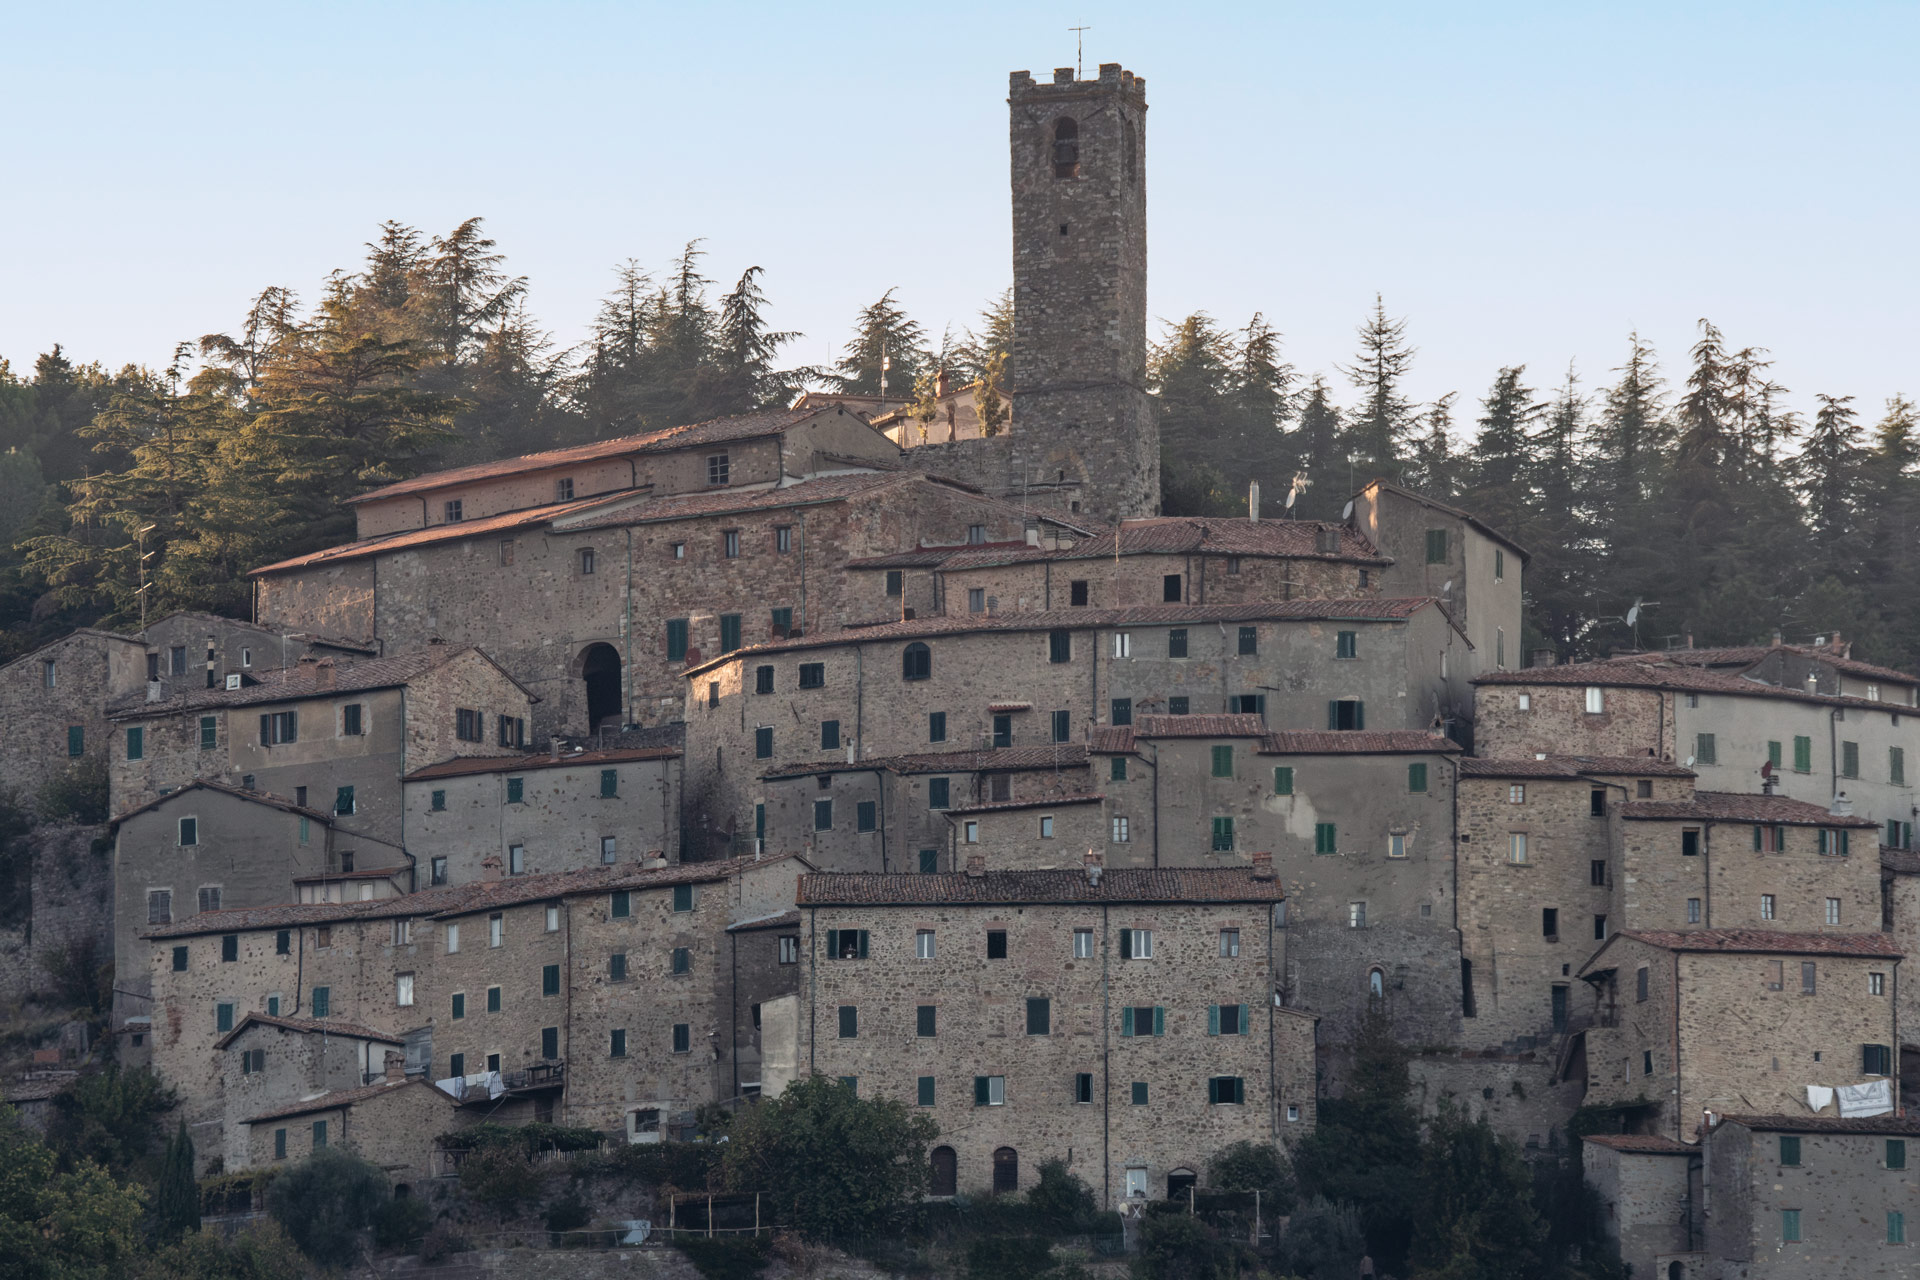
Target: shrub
point(723, 1259)
point(1255, 1166)
point(112, 1117)
point(1060, 1202)
point(261, 1252)
point(443, 1239)
point(568, 1212)
point(1175, 1246)
point(500, 1177)
point(689, 1166)
point(77, 793)
point(325, 1201)
point(1323, 1239)
point(1009, 1258)
point(81, 979)
point(397, 1224)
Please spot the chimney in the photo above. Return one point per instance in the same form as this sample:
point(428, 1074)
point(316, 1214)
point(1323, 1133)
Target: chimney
point(656, 859)
point(1689, 639)
point(1253, 501)
point(324, 673)
point(1033, 536)
point(976, 865)
point(1096, 867)
point(1544, 658)
point(1263, 866)
point(941, 384)
point(1841, 806)
point(554, 749)
point(396, 1063)
point(490, 867)
point(1776, 637)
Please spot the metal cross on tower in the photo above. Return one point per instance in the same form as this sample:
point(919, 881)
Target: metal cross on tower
point(1079, 52)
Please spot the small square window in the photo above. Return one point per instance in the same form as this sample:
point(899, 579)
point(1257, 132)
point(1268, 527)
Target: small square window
point(1138, 1093)
point(683, 897)
point(1229, 943)
point(789, 949)
point(996, 944)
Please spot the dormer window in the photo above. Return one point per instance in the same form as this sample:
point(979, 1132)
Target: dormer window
point(563, 489)
point(453, 511)
point(1066, 148)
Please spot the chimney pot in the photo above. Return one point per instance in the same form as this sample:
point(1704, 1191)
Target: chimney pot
point(1776, 637)
point(976, 865)
point(1263, 866)
point(1253, 502)
point(396, 1064)
point(490, 867)
point(941, 384)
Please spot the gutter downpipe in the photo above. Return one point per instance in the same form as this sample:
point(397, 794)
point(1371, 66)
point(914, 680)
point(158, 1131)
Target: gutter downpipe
point(733, 1011)
point(1155, 764)
point(1106, 1062)
point(813, 976)
point(627, 659)
point(880, 791)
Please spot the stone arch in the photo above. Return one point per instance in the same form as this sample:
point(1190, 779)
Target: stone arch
point(1376, 983)
point(599, 668)
point(946, 1173)
point(1006, 1169)
point(1179, 1181)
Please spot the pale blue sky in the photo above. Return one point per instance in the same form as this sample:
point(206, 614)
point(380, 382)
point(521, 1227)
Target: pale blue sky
point(1524, 182)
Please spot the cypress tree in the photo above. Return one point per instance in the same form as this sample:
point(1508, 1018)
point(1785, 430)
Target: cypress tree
point(176, 1198)
point(1501, 460)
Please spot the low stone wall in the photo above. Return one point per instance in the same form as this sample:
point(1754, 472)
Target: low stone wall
point(1525, 1105)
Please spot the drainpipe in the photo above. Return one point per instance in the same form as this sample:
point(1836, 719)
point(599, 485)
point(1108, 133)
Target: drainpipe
point(1154, 764)
point(733, 1011)
point(859, 701)
point(806, 626)
point(1273, 1103)
point(627, 660)
point(813, 975)
point(880, 790)
point(1678, 1122)
point(1706, 874)
point(566, 1050)
point(1106, 1064)
point(1833, 754)
point(1047, 598)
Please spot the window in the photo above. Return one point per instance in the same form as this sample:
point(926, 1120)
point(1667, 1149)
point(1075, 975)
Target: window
point(1693, 911)
point(1039, 1016)
point(789, 949)
point(1046, 827)
point(970, 833)
point(996, 944)
point(939, 793)
point(717, 469)
point(1077, 591)
point(864, 818)
point(1436, 546)
point(916, 662)
point(829, 735)
point(1808, 977)
point(846, 944)
point(321, 1002)
point(1896, 1153)
point(1835, 843)
point(189, 831)
point(1550, 923)
point(1137, 1093)
point(1177, 706)
point(1803, 755)
point(1346, 644)
point(1083, 1088)
point(1122, 830)
point(1704, 749)
point(730, 544)
point(1499, 565)
point(1227, 1020)
point(1516, 846)
point(1499, 647)
point(1789, 1151)
point(989, 1091)
point(849, 1022)
point(923, 1091)
point(1063, 726)
point(210, 897)
point(1083, 944)
point(1776, 976)
point(1122, 645)
point(496, 927)
point(1640, 980)
point(320, 1126)
point(1223, 761)
point(1283, 780)
point(1833, 911)
point(1849, 759)
point(895, 582)
point(77, 738)
point(1416, 777)
point(1525, 702)
point(1876, 1060)
point(1896, 1227)
point(923, 944)
point(1226, 1090)
point(1876, 984)
point(976, 599)
point(137, 743)
point(1766, 906)
point(1177, 642)
point(1646, 1062)
point(1356, 915)
point(343, 801)
point(1223, 835)
point(1599, 928)
point(1346, 713)
point(683, 901)
point(729, 632)
point(1517, 793)
point(1249, 641)
point(1897, 766)
point(936, 726)
point(50, 674)
point(550, 1043)
point(1136, 944)
point(823, 815)
point(1596, 700)
point(1059, 645)
point(929, 861)
point(1143, 1020)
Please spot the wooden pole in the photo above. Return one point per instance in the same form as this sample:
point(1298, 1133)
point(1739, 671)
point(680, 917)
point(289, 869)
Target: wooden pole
point(709, 1215)
point(756, 1213)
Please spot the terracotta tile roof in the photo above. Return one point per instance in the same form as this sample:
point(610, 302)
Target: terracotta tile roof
point(1160, 884)
point(293, 684)
point(718, 502)
point(1745, 656)
point(479, 526)
point(449, 901)
point(1556, 766)
point(1656, 672)
point(746, 426)
point(1204, 726)
point(238, 793)
point(1645, 766)
point(35, 1090)
point(779, 920)
point(1727, 806)
point(1315, 742)
point(266, 633)
point(462, 766)
point(1456, 512)
point(1376, 609)
point(1039, 802)
point(1766, 942)
point(343, 1098)
point(316, 1026)
point(73, 634)
point(1902, 862)
point(1107, 739)
point(371, 873)
point(1062, 755)
point(1828, 1124)
point(1640, 1144)
point(1157, 535)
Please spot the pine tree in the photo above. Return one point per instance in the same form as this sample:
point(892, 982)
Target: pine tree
point(1188, 372)
point(465, 291)
point(1628, 463)
point(883, 331)
point(1501, 462)
point(1379, 425)
point(1559, 577)
point(1316, 443)
point(1435, 469)
point(994, 337)
point(176, 1199)
point(1831, 469)
point(746, 349)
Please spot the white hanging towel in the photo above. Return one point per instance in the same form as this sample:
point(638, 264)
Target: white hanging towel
point(1874, 1098)
point(1818, 1096)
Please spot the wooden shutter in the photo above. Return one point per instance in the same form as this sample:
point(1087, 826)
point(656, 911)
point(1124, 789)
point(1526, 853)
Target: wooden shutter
point(1244, 1011)
point(833, 944)
point(1213, 1019)
point(1126, 1014)
point(1126, 953)
point(980, 1095)
point(1159, 1021)
point(863, 944)
point(266, 731)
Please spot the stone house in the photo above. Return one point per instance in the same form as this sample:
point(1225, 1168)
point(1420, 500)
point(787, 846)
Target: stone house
point(547, 980)
point(1159, 560)
point(1726, 728)
point(763, 962)
point(1900, 896)
point(1677, 1012)
point(597, 604)
point(190, 650)
point(1123, 1021)
point(540, 813)
point(1032, 679)
point(1646, 1186)
point(1795, 1197)
point(1441, 551)
point(910, 812)
point(337, 736)
point(53, 697)
point(210, 847)
point(391, 1121)
point(1826, 666)
point(268, 1062)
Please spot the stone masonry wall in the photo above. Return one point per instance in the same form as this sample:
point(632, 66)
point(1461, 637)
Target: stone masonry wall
point(1558, 721)
point(67, 902)
point(1842, 1189)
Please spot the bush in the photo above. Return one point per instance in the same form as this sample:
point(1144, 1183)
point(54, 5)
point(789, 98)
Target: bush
point(688, 1166)
point(723, 1259)
point(568, 1212)
point(530, 1138)
point(78, 793)
point(442, 1240)
point(1060, 1202)
point(325, 1201)
point(1009, 1258)
point(500, 1177)
point(261, 1252)
point(1255, 1166)
point(1323, 1240)
point(112, 1117)
point(1176, 1246)
point(397, 1224)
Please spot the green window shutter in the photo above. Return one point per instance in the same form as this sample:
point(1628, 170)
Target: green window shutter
point(76, 740)
point(1756, 839)
point(209, 733)
point(683, 897)
point(1416, 777)
point(343, 800)
point(516, 790)
point(136, 744)
point(1223, 762)
point(1333, 715)
point(1213, 1019)
point(729, 632)
point(1789, 1150)
point(1803, 755)
point(1283, 780)
point(322, 1002)
point(609, 783)
point(1159, 1021)
point(1213, 1090)
point(1244, 1010)
point(1325, 838)
point(1126, 944)
point(833, 944)
point(1239, 1089)
point(925, 1091)
point(676, 639)
point(979, 1091)
point(1126, 1020)
point(550, 980)
point(862, 952)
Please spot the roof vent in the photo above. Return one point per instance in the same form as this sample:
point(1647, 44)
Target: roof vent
point(1841, 806)
point(1096, 867)
point(1263, 866)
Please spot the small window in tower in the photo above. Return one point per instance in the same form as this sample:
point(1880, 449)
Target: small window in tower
point(1066, 150)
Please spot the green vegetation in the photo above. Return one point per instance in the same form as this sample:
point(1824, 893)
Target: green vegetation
point(176, 1201)
point(261, 1252)
point(111, 1118)
point(325, 1202)
point(62, 1223)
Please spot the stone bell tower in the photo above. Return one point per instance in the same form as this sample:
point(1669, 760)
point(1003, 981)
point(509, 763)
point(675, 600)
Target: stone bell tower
point(1077, 372)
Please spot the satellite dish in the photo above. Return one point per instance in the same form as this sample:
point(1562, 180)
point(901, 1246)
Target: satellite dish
point(1446, 589)
point(1346, 512)
point(1766, 768)
point(1689, 762)
point(1291, 495)
point(1633, 615)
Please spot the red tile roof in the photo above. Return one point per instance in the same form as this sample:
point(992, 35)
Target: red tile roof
point(746, 426)
point(238, 793)
point(1728, 806)
point(1647, 671)
point(1038, 802)
point(449, 901)
point(1555, 766)
point(1901, 862)
point(1202, 726)
point(1061, 755)
point(1745, 656)
point(1640, 1144)
point(463, 766)
point(1377, 609)
point(1436, 505)
point(293, 684)
point(779, 920)
point(1161, 884)
point(344, 1098)
point(1766, 942)
point(1156, 535)
point(1313, 742)
point(480, 526)
point(1107, 739)
point(315, 1026)
point(1827, 1124)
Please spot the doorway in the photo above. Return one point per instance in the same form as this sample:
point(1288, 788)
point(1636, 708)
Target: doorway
point(600, 669)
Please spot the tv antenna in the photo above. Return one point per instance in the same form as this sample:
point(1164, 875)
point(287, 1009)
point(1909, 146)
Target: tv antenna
point(1079, 52)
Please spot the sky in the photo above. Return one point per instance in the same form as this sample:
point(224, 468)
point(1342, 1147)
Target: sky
point(1525, 183)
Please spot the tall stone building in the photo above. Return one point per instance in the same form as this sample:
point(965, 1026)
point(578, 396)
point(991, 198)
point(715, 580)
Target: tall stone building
point(1084, 437)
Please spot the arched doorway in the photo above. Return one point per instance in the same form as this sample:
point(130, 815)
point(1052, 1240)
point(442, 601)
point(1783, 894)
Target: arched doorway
point(946, 1175)
point(1676, 1271)
point(1179, 1181)
point(600, 669)
point(1006, 1170)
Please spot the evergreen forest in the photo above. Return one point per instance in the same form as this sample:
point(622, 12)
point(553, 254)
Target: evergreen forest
point(1728, 505)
